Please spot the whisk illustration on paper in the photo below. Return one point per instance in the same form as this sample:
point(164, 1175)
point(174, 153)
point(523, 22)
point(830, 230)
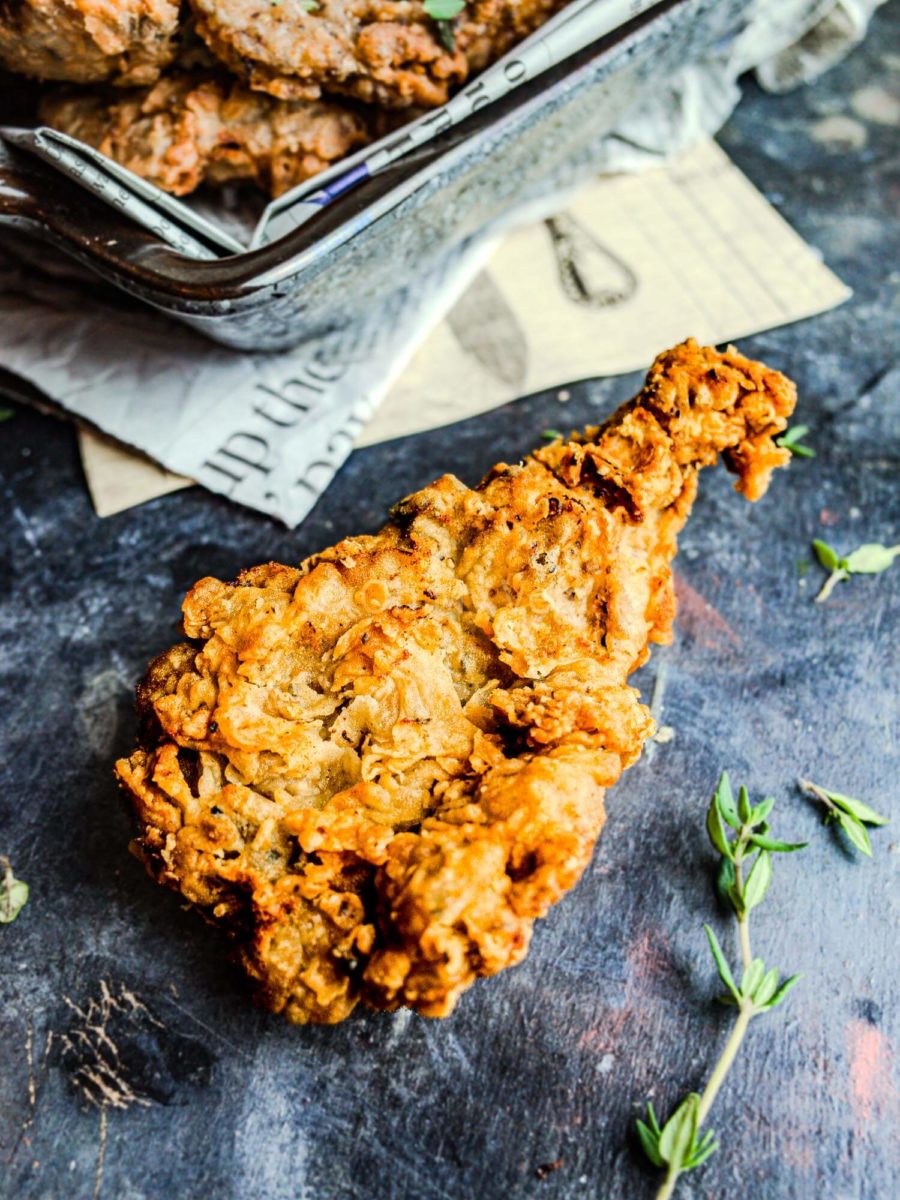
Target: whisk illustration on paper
point(590, 274)
point(486, 327)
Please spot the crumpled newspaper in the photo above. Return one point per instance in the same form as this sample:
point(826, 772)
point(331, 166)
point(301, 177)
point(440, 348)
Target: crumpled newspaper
point(634, 262)
point(270, 431)
point(267, 430)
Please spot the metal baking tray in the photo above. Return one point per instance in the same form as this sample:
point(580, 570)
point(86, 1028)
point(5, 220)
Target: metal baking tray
point(348, 259)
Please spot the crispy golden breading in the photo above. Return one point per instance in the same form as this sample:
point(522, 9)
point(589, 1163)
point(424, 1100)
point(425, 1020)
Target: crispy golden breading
point(88, 41)
point(192, 128)
point(386, 52)
point(378, 768)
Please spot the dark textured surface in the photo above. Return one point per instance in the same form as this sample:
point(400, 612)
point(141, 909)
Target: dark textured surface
point(549, 1061)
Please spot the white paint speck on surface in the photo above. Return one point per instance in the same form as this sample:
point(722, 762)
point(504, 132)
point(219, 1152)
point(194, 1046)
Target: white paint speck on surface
point(98, 709)
point(840, 133)
point(876, 104)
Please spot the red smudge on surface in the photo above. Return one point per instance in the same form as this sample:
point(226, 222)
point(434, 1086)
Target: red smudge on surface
point(871, 1060)
point(827, 517)
point(798, 1152)
point(648, 956)
point(698, 617)
point(650, 965)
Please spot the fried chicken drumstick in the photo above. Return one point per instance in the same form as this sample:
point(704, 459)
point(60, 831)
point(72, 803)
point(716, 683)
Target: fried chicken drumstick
point(389, 52)
point(377, 769)
point(88, 41)
point(196, 127)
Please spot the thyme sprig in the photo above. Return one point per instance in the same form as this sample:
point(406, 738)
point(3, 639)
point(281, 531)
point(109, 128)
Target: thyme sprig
point(852, 816)
point(870, 559)
point(13, 893)
point(740, 834)
point(791, 440)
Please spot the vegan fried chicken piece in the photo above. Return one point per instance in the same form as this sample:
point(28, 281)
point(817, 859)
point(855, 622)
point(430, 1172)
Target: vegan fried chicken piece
point(388, 52)
point(88, 41)
point(190, 129)
point(377, 769)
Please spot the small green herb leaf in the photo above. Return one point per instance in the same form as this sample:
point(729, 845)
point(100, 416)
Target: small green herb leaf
point(6, 413)
point(550, 435)
point(444, 10)
point(702, 1150)
point(725, 801)
point(722, 964)
point(870, 559)
point(767, 843)
point(679, 1133)
point(793, 434)
point(856, 832)
point(857, 809)
point(826, 555)
point(725, 883)
point(752, 978)
point(758, 880)
point(761, 811)
point(716, 830)
point(790, 440)
point(744, 806)
point(649, 1142)
point(783, 990)
point(766, 988)
point(13, 893)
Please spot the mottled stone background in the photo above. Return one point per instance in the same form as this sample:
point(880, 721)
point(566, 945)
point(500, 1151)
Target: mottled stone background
point(546, 1064)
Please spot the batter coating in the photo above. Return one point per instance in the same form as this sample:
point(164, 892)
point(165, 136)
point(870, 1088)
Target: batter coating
point(387, 52)
point(194, 128)
point(377, 769)
point(88, 41)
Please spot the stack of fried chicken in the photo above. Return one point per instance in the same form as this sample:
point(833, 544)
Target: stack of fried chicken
point(271, 91)
point(376, 769)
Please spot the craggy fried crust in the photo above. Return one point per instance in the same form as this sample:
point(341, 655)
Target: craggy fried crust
point(378, 768)
point(192, 128)
point(88, 41)
point(387, 52)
